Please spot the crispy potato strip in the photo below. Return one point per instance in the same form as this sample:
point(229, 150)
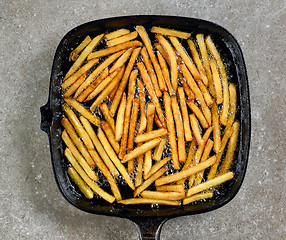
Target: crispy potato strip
point(171, 130)
point(83, 187)
point(226, 164)
point(88, 181)
point(124, 81)
point(210, 183)
point(185, 173)
point(141, 150)
point(110, 50)
point(171, 32)
point(108, 148)
point(122, 39)
point(120, 118)
point(80, 47)
point(116, 34)
point(82, 57)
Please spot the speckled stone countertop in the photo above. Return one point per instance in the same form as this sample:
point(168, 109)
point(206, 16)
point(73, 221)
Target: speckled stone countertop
point(31, 207)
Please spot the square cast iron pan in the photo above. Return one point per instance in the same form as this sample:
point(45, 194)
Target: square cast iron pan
point(147, 218)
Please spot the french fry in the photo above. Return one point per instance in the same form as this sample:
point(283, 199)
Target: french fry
point(78, 127)
point(194, 87)
point(76, 140)
point(109, 119)
point(188, 91)
point(122, 39)
point(225, 106)
point(226, 164)
point(185, 173)
point(96, 72)
point(124, 81)
point(150, 121)
point(227, 134)
point(171, 188)
point(207, 150)
point(83, 111)
point(187, 128)
point(174, 67)
point(216, 131)
point(198, 61)
point(120, 118)
point(87, 94)
point(141, 150)
point(79, 159)
point(114, 49)
point(205, 93)
point(100, 164)
point(150, 89)
point(107, 90)
point(210, 183)
point(72, 78)
point(114, 158)
point(144, 36)
point(143, 119)
point(159, 150)
point(131, 92)
point(139, 172)
point(170, 196)
point(130, 201)
point(80, 47)
point(100, 150)
point(191, 152)
point(163, 52)
point(196, 110)
point(158, 165)
point(197, 159)
point(87, 192)
point(171, 130)
point(196, 129)
point(87, 180)
point(216, 81)
point(197, 197)
point(193, 149)
point(180, 129)
point(232, 104)
point(70, 91)
point(150, 180)
point(205, 61)
point(151, 135)
point(80, 60)
point(133, 122)
point(165, 72)
point(158, 122)
point(170, 32)
point(186, 59)
point(121, 60)
point(110, 136)
point(151, 72)
point(113, 92)
point(116, 34)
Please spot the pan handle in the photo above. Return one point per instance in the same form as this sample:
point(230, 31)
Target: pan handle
point(46, 117)
point(149, 228)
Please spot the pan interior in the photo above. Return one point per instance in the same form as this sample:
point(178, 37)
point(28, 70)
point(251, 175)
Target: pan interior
point(232, 56)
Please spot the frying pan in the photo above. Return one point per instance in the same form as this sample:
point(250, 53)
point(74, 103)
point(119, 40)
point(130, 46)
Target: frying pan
point(148, 218)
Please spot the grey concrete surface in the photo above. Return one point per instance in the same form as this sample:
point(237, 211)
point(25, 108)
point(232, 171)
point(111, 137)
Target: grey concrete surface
point(31, 207)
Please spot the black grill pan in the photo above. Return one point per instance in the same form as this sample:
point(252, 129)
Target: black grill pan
point(148, 219)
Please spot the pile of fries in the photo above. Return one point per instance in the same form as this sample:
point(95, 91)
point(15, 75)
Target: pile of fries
point(156, 114)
